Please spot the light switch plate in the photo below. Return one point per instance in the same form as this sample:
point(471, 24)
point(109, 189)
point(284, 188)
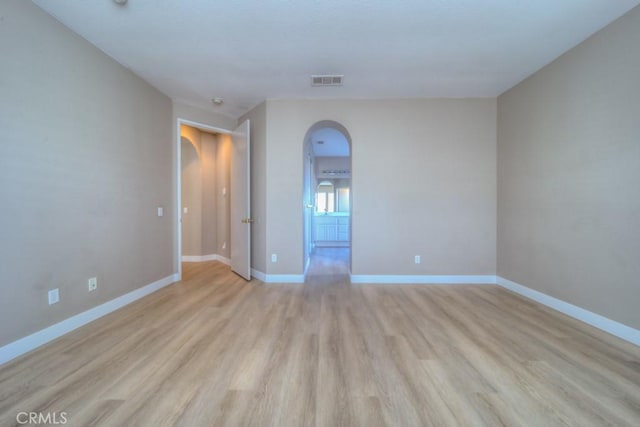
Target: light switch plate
point(54, 296)
point(92, 284)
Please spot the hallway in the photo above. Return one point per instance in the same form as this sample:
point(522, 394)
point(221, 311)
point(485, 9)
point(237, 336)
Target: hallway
point(329, 262)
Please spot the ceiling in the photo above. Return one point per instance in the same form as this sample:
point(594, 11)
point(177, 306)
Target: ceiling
point(245, 51)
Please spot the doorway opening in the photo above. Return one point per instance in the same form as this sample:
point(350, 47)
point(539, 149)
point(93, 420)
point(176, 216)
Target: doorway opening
point(327, 199)
point(212, 196)
point(202, 186)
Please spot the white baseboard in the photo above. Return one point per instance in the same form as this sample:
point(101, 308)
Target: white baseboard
point(620, 330)
point(198, 258)
point(30, 342)
point(285, 278)
point(277, 278)
point(203, 258)
point(223, 260)
point(258, 275)
point(407, 279)
point(37, 339)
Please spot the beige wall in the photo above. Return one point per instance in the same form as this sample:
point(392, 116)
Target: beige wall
point(569, 176)
point(423, 177)
point(209, 161)
point(85, 160)
point(258, 141)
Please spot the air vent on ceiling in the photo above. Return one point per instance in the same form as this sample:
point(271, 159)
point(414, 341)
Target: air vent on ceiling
point(326, 80)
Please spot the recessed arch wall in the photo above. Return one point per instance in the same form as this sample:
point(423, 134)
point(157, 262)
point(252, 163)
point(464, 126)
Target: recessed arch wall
point(424, 184)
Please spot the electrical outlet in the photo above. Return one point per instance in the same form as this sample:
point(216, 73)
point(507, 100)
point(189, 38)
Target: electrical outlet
point(274, 257)
point(93, 284)
point(54, 296)
point(417, 259)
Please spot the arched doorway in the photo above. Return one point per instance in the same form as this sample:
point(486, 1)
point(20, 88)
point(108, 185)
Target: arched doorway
point(327, 196)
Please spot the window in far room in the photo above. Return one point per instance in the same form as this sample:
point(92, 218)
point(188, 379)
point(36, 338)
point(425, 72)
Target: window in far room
point(325, 197)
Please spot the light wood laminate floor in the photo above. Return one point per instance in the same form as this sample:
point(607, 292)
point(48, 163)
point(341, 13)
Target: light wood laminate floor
point(216, 350)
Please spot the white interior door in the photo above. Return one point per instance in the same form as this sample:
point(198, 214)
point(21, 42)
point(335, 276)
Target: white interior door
point(239, 199)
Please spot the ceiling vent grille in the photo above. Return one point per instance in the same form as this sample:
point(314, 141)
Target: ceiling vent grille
point(327, 80)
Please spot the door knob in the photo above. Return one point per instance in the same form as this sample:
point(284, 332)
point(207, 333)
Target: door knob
point(247, 221)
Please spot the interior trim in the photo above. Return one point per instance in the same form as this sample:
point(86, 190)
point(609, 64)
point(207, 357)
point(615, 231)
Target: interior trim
point(203, 258)
point(277, 278)
point(617, 329)
point(43, 336)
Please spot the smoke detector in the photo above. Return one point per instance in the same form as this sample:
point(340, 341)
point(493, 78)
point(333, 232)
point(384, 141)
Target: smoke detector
point(327, 80)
